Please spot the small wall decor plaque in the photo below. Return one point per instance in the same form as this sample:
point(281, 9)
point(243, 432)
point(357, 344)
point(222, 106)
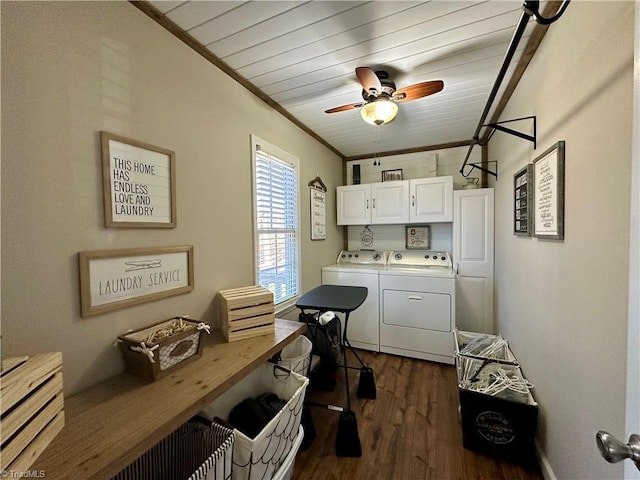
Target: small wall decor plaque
point(418, 237)
point(139, 184)
point(391, 175)
point(113, 279)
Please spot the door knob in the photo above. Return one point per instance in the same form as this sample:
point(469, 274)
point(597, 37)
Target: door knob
point(613, 450)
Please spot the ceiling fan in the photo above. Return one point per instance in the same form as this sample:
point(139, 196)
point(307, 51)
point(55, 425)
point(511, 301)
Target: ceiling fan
point(380, 95)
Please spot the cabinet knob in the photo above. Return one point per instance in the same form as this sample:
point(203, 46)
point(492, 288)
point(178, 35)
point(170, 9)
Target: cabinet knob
point(413, 200)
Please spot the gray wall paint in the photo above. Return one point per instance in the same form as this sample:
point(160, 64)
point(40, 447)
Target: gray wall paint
point(563, 305)
point(72, 69)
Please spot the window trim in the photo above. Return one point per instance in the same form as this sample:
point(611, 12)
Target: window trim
point(259, 144)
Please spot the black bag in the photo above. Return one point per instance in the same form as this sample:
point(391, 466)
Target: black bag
point(327, 345)
point(253, 414)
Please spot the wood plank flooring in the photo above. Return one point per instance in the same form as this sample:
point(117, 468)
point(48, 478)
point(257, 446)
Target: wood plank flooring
point(410, 431)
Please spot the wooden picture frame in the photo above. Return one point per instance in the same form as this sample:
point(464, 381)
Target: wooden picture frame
point(113, 279)
point(392, 175)
point(418, 237)
point(138, 182)
point(522, 201)
point(548, 193)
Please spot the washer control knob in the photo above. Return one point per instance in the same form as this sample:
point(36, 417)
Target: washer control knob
point(357, 255)
point(435, 257)
point(350, 255)
point(443, 258)
point(376, 256)
point(398, 256)
point(343, 256)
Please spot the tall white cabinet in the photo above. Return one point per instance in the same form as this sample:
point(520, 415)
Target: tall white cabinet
point(473, 258)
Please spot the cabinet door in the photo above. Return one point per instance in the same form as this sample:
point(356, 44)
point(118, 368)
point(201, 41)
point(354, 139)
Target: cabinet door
point(390, 202)
point(473, 256)
point(431, 199)
point(353, 204)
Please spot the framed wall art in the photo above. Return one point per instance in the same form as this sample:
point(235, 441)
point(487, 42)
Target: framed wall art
point(139, 183)
point(522, 199)
point(418, 237)
point(548, 193)
point(318, 214)
point(113, 279)
point(390, 175)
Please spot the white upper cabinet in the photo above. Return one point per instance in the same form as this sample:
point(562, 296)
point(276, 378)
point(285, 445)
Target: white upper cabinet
point(424, 200)
point(354, 205)
point(390, 202)
point(431, 200)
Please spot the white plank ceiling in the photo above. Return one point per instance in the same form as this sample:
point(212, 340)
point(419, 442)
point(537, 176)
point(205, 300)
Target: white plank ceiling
point(303, 54)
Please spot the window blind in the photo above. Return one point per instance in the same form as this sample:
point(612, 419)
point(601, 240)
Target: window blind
point(276, 197)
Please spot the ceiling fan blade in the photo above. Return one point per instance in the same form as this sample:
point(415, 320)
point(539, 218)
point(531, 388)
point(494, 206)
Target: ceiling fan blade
point(418, 90)
point(343, 108)
point(368, 79)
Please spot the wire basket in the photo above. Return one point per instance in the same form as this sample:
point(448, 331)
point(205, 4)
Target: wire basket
point(297, 356)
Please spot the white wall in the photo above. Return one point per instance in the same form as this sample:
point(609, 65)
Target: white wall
point(72, 69)
point(563, 304)
point(431, 163)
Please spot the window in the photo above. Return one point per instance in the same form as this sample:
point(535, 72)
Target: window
point(277, 245)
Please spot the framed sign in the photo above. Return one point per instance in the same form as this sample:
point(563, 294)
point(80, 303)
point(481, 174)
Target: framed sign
point(113, 279)
point(548, 193)
point(523, 197)
point(139, 183)
point(418, 237)
point(318, 214)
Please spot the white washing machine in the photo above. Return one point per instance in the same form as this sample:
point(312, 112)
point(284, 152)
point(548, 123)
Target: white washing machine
point(360, 268)
point(417, 305)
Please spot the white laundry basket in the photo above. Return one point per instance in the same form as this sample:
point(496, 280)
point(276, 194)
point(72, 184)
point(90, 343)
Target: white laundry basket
point(286, 470)
point(297, 355)
point(260, 457)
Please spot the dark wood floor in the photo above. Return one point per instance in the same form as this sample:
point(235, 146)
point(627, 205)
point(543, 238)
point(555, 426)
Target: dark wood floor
point(410, 431)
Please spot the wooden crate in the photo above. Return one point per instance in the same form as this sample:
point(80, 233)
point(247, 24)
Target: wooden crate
point(153, 359)
point(32, 408)
point(247, 312)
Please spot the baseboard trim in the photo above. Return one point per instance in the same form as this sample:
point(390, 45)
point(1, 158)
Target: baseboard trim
point(545, 466)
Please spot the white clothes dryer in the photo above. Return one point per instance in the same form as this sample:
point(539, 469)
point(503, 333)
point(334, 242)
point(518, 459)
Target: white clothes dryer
point(360, 268)
point(417, 305)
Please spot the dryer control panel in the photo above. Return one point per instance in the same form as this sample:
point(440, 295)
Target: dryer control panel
point(423, 258)
point(362, 257)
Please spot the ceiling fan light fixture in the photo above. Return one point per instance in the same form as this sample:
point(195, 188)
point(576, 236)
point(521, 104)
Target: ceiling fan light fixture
point(379, 112)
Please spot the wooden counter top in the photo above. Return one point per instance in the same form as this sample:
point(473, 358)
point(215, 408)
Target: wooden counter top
point(109, 425)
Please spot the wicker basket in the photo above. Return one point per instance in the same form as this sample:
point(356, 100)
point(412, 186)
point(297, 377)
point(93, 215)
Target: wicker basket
point(154, 351)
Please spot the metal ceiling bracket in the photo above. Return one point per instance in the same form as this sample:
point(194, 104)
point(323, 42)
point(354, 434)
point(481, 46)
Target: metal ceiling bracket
point(483, 169)
point(498, 126)
point(513, 45)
